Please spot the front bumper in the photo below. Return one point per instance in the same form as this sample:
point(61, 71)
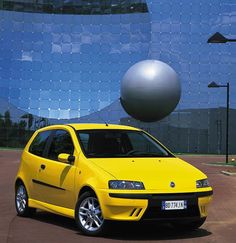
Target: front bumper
point(147, 206)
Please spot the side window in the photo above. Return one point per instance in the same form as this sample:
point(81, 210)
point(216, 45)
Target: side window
point(146, 144)
point(84, 138)
point(38, 144)
point(61, 143)
point(138, 143)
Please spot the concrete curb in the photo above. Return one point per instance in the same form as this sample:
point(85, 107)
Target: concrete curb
point(218, 165)
point(228, 173)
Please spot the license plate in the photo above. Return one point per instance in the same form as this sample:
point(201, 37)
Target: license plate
point(174, 205)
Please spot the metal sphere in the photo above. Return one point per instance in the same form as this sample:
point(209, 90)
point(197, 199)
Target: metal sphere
point(150, 90)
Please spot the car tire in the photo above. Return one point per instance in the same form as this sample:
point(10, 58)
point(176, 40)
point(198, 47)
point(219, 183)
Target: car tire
point(88, 215)
point(21, 202)
point(184, 226)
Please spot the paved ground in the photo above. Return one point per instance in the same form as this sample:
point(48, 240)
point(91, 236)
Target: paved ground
point(44, 227)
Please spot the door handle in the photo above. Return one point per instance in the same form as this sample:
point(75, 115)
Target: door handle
point(43, 166)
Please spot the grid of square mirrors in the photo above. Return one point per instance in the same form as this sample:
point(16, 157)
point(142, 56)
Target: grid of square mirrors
point(63, 66)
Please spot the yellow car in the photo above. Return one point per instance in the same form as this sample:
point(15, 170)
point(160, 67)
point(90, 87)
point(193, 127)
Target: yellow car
point(95, 173)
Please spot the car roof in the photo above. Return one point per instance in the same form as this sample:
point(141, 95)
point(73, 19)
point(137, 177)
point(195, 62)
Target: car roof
point(85, 126)
point(88, 126)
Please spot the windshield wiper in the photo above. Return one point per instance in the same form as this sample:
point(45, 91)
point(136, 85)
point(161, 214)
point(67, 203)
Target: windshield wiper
point(143, 153)
point(132, 153)
point(104, 155)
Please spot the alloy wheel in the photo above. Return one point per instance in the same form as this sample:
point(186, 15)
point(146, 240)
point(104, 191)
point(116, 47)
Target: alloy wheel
point(90, 215)
point(21, 199)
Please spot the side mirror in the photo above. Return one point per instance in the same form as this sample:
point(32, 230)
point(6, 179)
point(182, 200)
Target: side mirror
point(66, 158)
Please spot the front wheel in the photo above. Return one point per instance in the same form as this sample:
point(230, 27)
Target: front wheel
point(21, 202)
point(88, 215)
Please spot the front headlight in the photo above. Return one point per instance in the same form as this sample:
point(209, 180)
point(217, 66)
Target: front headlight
point(202, 183)
point(129, 185)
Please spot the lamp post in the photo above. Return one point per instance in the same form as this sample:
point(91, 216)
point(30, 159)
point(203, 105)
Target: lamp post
point(215, 85)
point(219, 38)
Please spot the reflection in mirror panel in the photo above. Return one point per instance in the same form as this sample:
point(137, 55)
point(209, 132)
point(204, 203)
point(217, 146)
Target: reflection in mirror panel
point(82, 7)
point(54, 65)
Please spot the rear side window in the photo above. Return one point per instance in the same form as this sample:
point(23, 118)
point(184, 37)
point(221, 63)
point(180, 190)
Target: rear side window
point(38, 144)
point(61, 143)
point(84, 138)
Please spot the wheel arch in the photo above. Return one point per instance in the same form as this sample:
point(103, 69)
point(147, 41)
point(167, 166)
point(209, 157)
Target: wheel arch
point(18, 182)
point(86, 188)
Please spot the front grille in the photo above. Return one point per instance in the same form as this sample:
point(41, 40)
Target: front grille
point(154, 210)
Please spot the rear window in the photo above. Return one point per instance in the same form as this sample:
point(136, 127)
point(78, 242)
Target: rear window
point(38, 144)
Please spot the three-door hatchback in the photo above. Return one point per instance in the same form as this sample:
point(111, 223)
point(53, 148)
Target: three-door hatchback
point(95, 173)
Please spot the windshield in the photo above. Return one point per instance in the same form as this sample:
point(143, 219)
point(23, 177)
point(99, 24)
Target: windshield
point(119, 143)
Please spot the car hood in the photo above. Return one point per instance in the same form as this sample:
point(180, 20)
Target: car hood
point(155, 173)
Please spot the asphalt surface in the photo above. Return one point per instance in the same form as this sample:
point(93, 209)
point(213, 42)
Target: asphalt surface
point(45, 227)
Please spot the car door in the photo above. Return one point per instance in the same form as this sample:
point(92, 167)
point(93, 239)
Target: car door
point(56, 179)
point(33, 159)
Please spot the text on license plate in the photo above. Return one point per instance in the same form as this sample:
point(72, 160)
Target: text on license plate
point(173, 205)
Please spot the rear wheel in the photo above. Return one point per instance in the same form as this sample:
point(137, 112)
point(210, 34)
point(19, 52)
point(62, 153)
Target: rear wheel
point(88, 215)
point(21, 202)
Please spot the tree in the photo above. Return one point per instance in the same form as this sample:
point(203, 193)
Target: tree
point(8, 122)
point(30, 119)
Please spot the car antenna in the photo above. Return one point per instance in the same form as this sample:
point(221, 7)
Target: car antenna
point(102, 119)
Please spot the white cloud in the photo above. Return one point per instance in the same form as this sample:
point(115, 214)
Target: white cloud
point(26, 56)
